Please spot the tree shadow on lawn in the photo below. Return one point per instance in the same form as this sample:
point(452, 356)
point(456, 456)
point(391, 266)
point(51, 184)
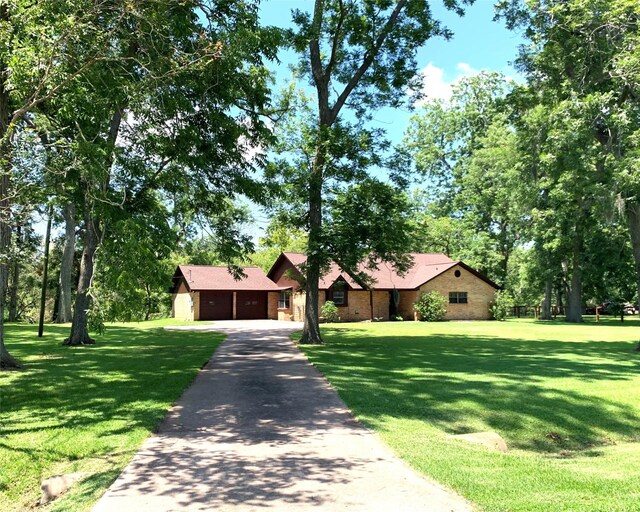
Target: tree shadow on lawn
point(123, 382)
point(460, 383)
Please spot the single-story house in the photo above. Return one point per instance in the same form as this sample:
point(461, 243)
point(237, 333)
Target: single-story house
point(468, 292)
point(211, 293)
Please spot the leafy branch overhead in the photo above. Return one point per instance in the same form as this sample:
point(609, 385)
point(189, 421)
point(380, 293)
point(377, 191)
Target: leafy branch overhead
point(359, 56)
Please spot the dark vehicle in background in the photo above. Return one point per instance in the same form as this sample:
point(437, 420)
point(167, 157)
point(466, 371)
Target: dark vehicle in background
point(613, 308)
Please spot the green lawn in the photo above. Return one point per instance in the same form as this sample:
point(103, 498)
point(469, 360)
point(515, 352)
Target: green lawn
point(87, 408)
point(565, 397)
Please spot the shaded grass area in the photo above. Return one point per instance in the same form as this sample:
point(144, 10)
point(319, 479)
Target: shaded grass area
point(565, 397)
point(88, 408)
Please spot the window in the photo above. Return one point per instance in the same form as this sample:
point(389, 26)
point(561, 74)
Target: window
point(284, 301)
point(338, 294)
point(457, 297)
point(339, 297)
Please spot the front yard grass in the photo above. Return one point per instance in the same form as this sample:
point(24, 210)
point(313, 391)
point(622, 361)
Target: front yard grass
point(88, 408)
point(565, 397)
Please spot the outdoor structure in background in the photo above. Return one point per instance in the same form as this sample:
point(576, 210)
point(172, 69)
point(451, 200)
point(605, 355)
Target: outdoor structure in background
point(202, 292)
point(212, 293)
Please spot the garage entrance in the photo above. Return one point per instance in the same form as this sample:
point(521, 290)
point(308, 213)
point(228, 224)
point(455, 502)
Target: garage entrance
point(216, 305)
point(251, 305)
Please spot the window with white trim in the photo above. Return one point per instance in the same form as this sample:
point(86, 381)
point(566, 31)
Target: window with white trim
point(284, 300)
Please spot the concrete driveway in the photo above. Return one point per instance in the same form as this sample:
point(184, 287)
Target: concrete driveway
point(260, 429)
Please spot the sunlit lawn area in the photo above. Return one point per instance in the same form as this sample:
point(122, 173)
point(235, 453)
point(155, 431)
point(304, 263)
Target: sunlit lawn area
point(565, 397)
point(87, 408)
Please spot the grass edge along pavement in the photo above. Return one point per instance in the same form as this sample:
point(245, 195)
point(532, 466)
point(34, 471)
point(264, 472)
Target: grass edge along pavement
point(88, 409)
point(564, 396)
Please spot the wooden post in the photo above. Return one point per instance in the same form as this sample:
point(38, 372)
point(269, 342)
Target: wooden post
point(43, 295)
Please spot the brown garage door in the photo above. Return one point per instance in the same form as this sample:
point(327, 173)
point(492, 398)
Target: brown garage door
point(251, 305)
point(216, 305)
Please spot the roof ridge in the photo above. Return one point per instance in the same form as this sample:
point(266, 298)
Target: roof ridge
point(215, 266)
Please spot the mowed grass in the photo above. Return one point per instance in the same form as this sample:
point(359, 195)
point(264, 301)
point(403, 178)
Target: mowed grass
point(87, 408)
point(565, 397)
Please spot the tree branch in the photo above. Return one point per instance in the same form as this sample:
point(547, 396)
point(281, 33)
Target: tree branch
point(368, 59)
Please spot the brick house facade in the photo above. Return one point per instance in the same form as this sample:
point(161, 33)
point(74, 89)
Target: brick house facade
point(211, 293)
point(469, 293)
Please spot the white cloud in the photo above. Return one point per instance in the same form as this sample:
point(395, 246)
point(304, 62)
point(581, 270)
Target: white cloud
point(465, 70)
point(434, 85)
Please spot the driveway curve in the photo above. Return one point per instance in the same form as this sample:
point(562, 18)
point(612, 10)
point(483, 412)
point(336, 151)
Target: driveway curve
point(261, 429)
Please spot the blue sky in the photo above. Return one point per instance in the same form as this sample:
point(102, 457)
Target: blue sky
point(478, 44)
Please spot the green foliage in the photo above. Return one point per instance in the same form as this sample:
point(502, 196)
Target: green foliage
point(329, 311)
point(499, 308)
point(367, 223)
point(279, 237)
point(96, 320)
point(153, 141)
point(468, 150)
point(431, 307)
point(581, 126)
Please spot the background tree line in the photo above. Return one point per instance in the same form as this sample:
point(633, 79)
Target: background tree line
point(535, 184)
point(136, 125)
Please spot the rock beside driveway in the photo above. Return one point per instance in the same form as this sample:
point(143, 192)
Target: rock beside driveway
point(56, 486)
point(491, 440)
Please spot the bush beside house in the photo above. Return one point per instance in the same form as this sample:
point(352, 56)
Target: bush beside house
point(431, 307)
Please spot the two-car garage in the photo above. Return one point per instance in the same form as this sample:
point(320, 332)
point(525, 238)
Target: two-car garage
point(212, 293)
point(219, 305)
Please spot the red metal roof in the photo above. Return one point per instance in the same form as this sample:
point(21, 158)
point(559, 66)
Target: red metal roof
point(205, 277)
point(425, 267)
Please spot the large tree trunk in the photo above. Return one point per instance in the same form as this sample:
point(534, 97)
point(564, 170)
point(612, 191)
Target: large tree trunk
point(15, 278)
point(311, 330)
point(632, 210)
point(147, 315)
point(546, 304)
point(66, 264)
point(6, 361)
point(79, 326)
point(574, 298)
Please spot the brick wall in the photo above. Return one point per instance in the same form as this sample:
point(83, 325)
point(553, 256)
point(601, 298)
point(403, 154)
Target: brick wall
point(381, 304)
point(272, 305)
point(196, 306)
point(405, 306)
point(358, 308)
point(182, 308)
point(298, 304)
point(479, 294)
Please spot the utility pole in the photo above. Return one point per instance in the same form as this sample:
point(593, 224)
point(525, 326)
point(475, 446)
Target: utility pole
point(43, 296)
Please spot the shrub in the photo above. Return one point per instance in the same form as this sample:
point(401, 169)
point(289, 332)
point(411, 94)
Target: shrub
point(431, 307)
point(329, 311)
point(500, 306)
